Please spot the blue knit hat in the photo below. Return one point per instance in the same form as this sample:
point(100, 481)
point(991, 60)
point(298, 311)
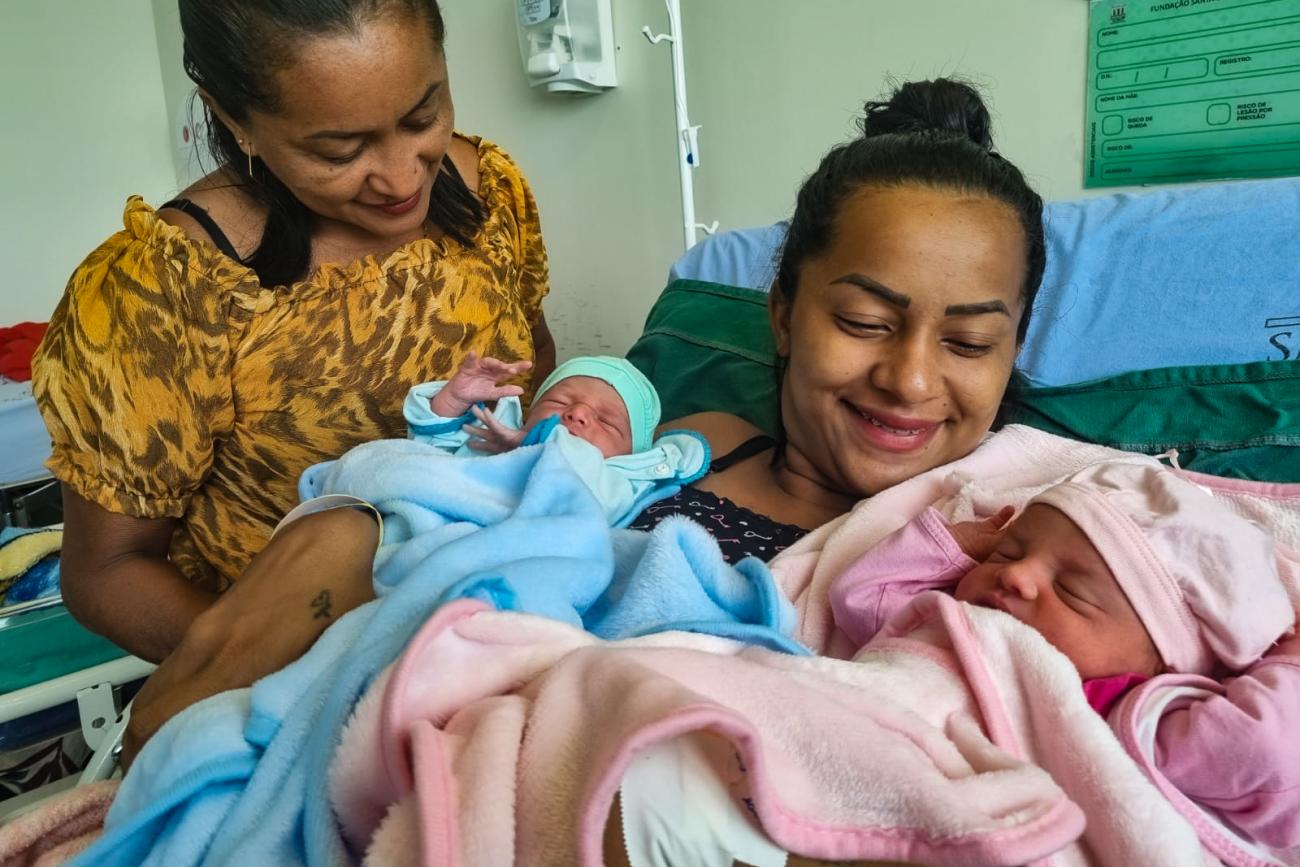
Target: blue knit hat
point(639, 396)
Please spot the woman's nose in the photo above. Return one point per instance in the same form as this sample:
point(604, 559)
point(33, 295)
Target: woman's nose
point(397, 174)
point(907, 370)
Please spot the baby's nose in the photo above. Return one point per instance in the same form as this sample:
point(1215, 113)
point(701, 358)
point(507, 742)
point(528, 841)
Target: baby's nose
point(1020, 579)
point(578, 412)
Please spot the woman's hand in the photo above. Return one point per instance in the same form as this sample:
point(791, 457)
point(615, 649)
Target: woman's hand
point(978, 539)
point(477, 381)
point(314, 571)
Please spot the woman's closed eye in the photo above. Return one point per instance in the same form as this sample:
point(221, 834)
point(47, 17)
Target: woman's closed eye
point(970, 345)
point(342, 159)
point(421, 124)
point(413, 125)
point(860, 328)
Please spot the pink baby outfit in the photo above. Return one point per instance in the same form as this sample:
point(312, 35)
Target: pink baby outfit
point(1208, 586)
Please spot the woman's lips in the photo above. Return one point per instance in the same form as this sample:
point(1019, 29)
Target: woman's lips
point(397, 209)
point(892, 433)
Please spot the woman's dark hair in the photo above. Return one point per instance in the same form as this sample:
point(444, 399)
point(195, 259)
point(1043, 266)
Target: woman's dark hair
point(931, 133)
point(232, 50)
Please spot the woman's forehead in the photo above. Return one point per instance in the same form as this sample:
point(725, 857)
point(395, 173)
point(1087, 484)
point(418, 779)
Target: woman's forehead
point(361, 80)
point(921, 241)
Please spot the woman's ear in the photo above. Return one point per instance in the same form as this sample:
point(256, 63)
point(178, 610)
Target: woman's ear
point(236, 129)
point(778, 314)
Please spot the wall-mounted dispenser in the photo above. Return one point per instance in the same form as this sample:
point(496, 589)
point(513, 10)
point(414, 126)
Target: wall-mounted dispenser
point(567, 45)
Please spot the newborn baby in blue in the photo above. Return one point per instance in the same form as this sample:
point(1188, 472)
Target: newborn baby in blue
point(601, 411)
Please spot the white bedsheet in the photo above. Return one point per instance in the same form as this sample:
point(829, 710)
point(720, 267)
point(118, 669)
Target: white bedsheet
point(24, 443)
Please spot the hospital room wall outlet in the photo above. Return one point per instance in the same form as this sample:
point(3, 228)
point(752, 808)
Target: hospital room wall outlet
point(567, 46)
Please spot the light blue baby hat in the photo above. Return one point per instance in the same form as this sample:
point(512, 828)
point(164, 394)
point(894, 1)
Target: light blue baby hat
point(639, 396)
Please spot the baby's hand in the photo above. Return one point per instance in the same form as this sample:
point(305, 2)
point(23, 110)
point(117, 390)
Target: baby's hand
point(978, 538)
point(1288, 644)
point(490, 435)
point(477, 381)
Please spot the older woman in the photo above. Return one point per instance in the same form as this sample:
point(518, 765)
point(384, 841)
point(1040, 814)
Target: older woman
point(348, 245)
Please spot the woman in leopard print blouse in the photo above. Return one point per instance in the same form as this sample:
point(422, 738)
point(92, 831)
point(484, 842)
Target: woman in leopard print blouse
point(348, 245)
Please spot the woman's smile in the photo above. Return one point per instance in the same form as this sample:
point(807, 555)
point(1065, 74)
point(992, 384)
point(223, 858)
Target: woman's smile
point(397, 209)
point(892, 433)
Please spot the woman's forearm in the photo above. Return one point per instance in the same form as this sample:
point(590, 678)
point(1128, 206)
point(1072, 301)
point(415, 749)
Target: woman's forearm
point(313, 572)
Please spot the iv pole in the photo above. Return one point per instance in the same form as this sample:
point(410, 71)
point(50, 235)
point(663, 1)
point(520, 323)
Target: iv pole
point(688, 144)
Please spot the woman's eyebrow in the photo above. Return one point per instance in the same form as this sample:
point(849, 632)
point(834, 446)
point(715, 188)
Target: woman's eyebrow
point(884, 293)
point(346, 134)
point(977, 309)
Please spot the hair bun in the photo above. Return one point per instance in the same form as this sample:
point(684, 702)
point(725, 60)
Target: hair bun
point(939, 106)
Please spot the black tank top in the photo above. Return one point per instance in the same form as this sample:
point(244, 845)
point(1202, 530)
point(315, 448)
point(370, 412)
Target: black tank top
point(740, 532)
point(204, 219)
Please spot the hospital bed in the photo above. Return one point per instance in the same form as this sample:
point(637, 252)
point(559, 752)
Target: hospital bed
point(55, 677)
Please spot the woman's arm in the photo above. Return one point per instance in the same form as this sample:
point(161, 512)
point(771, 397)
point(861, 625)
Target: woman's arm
point(118, 582)
point(311, 573)
point(543, 351)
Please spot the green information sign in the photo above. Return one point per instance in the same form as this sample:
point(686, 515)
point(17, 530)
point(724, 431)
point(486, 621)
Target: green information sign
point(1185, 90)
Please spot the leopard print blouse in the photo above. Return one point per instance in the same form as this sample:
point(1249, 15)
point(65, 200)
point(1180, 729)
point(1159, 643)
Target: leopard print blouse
point(175, 385)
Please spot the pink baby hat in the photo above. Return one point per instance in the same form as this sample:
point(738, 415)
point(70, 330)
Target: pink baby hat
point(1205, 582)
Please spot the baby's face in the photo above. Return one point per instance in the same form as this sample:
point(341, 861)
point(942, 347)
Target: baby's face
point(591, 409)
point(1047, 574)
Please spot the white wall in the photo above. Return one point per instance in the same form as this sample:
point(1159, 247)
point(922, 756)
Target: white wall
point(83, 127)
point(603, 167)
point(776, 83)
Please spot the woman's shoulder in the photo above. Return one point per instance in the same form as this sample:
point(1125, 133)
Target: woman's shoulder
point(723, 430)
point(154, 263)
point(499, 174)
point(234, 214)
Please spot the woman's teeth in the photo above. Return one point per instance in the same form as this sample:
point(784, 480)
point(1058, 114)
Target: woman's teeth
point(903, 432)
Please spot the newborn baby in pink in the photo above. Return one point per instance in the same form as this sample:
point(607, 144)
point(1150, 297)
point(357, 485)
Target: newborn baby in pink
point(1130, 571)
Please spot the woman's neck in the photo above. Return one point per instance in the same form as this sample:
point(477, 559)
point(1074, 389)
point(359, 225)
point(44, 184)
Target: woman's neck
point(341, 243)
point(799, 480)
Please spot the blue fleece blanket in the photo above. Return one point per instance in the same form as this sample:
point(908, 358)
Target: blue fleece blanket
point(240, 778)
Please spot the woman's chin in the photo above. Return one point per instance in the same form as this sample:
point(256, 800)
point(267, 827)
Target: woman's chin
point(873, 470)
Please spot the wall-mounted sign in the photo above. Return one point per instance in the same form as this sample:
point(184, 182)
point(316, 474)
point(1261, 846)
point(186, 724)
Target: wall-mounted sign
point(1183, 90)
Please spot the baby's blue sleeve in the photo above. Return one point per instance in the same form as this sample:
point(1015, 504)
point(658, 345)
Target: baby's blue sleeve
point(423, 426)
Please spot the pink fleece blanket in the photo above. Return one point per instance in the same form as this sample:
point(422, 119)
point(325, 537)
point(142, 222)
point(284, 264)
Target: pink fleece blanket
point(925, 748)
point(1011, 466)
point(58, 830)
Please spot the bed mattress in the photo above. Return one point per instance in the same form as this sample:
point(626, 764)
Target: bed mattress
point(24, 443)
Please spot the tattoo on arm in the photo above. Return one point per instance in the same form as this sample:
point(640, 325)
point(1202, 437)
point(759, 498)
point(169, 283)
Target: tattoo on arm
point(321, 605)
